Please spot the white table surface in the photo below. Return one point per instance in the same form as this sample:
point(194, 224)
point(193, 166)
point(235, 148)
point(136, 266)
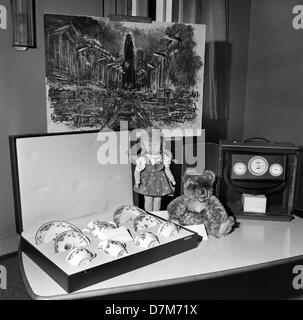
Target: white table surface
point(254, 244)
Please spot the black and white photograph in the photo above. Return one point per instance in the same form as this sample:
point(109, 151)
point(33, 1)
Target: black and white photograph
point(151, 153)
point(100, 72)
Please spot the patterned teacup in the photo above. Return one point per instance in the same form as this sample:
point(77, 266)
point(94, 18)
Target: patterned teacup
point(145, 221)
point(146, 239)
point(80, 255)
point(96, 227)
point(113, 248)
point(168, 229)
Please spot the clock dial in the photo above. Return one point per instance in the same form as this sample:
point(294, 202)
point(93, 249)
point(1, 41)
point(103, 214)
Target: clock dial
point(258, 166)
point(239, 168)
point(276, 170)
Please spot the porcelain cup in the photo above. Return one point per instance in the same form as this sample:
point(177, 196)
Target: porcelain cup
point(168, 229)
point(146, 239)
point(78, 256)
point(113, 248)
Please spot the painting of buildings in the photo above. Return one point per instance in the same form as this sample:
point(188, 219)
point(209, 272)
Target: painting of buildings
point(100, 72)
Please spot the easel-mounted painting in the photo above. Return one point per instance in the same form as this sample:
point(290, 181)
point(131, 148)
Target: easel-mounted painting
point(100, 72)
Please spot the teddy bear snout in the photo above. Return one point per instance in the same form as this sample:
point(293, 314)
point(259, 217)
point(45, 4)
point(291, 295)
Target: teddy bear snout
point(194, 191)
point(191, 188)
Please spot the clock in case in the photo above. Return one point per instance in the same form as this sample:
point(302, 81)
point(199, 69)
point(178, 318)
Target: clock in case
point(276, 170)
point(258, 167)
point(239, 169)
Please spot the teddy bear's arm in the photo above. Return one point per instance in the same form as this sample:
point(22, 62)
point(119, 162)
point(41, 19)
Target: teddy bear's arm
point(216, 209)
point(177, 208)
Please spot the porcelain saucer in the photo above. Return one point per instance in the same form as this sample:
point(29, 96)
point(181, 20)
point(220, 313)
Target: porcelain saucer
point(49, 231)
point(70, 240)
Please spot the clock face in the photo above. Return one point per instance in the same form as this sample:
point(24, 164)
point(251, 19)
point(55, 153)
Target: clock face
point(276, 170)
point(239, 168)
point(258, 166)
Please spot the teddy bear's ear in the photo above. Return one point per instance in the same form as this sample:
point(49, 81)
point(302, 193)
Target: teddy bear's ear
point(209, 176)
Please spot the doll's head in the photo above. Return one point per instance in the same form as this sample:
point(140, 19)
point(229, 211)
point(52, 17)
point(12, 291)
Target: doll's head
point(199, 186)
point(151, 140)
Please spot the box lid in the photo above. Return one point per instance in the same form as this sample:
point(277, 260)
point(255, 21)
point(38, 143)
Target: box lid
point(259, 144)
point(60, 177)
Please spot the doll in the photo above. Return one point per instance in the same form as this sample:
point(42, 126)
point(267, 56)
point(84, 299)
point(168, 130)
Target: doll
point(153, 177)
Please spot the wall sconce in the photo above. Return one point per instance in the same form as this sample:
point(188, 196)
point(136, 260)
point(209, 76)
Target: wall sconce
point(24, 24)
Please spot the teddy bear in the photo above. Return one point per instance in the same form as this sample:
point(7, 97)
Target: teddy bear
point(198, 205)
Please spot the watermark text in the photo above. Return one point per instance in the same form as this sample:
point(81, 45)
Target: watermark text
point(3, 17)
point(3, 278)
point(298, 279)
point(124, 146)
point(297, 21)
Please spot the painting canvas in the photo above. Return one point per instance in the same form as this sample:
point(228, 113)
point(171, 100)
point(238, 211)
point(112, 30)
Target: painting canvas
point(100, 72)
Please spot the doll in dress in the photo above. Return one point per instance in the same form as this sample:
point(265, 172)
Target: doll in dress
point(153, 177)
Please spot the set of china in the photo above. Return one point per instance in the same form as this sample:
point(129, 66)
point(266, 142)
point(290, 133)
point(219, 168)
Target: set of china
point(67, 237)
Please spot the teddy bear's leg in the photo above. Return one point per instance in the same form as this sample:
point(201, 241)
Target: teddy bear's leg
point(218, 223)
point(176, 210)
point(227, 226)
point(193, 218)
point(212, 227)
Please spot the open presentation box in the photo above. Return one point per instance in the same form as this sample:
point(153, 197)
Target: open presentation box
point(60, 177)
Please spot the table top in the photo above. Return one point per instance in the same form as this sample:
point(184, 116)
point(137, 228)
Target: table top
point(255, 244)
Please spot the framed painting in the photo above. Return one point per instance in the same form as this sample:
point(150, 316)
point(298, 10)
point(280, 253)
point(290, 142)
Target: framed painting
point(101, 72)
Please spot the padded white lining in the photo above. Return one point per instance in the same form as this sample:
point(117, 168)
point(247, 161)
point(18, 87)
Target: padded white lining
point(61, 179)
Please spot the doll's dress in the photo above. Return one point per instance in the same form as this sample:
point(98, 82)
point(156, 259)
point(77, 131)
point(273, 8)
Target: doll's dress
point(154, 181)
point(151, 165)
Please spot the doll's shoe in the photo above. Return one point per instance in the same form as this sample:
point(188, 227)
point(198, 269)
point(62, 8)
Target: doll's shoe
point(49, 231)
point(96, 227)
point(145, 221)
point(126, 214)
point(70, 240)
point(146, 240)
point(168, 229)
point(79, 256)
point(113, 248)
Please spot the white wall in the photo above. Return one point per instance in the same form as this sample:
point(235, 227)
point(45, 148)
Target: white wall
point(22, 94)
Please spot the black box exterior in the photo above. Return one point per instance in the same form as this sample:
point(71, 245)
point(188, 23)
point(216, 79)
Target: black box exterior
point(280, 194)
point(109, 270)
point(94, 275)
